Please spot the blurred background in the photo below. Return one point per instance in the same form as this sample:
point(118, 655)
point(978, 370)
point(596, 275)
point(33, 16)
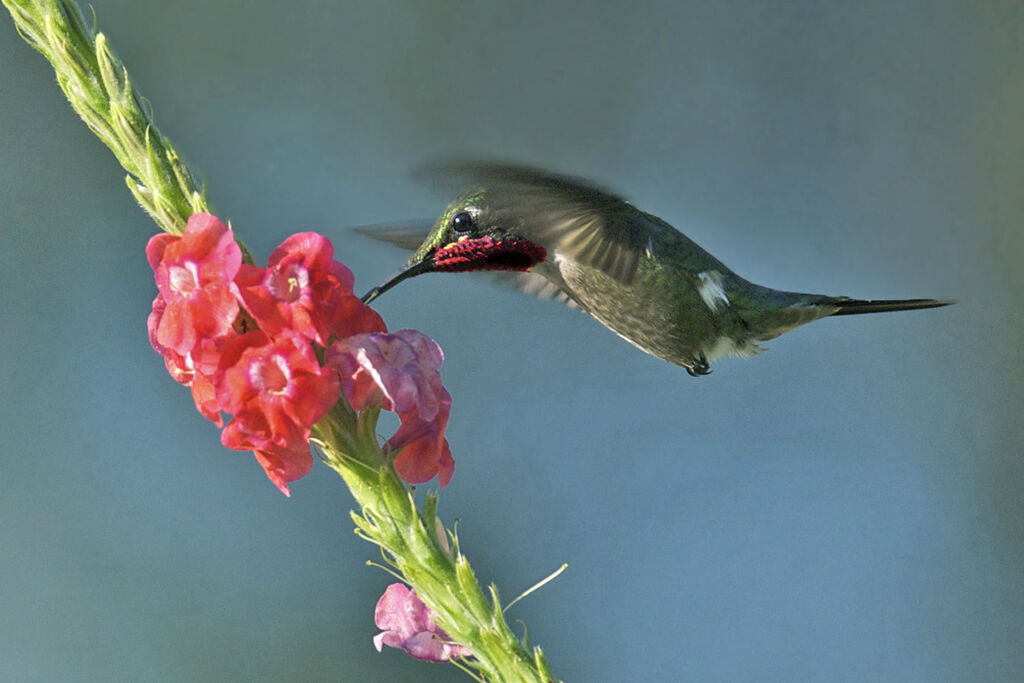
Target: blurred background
point(844, 507)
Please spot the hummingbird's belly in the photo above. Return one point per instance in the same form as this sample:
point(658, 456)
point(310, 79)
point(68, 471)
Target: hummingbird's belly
point(658, 312)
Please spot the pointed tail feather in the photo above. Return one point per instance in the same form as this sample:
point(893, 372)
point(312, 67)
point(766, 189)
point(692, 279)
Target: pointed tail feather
point(855, 306)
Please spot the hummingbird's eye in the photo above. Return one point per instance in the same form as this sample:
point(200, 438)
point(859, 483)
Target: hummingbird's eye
point(462, 222)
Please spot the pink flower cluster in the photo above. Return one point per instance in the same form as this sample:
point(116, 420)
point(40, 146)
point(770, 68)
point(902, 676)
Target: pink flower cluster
point(245, 339)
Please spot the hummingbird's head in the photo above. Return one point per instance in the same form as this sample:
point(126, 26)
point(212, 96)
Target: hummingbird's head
point(470, 235)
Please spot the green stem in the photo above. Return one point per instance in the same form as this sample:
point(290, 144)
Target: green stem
point(97, 86)
point(410, 540)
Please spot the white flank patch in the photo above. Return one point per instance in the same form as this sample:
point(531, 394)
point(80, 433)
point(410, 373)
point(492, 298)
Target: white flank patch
point(711, 290)
point(726, 346)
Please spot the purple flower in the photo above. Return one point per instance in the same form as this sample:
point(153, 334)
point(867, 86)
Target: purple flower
point(409, 625)
point(402, 372)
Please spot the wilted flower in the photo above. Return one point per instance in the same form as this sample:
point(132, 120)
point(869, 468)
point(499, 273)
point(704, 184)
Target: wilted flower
point(409, 625)
point(402, 371)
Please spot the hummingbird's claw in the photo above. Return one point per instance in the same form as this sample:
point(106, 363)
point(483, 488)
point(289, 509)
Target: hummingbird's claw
point(699, 367)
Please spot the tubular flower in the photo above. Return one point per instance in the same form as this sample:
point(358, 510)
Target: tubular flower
point(195, 276)
point(409, 625)
point(276, 390)
point(194, 369)
point(300, 289)
point(401, 371)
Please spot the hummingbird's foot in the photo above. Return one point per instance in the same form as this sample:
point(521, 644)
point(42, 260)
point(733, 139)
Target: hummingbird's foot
point(699, 367)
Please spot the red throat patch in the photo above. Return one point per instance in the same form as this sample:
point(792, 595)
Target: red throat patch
point(486, 253)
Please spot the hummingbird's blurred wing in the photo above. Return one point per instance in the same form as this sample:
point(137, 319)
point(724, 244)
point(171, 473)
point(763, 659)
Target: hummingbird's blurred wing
point(565, 215)
point(534, 284)
point(406, 234)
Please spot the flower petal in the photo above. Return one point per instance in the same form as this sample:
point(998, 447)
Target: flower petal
point(409, 625)
point(401, 371)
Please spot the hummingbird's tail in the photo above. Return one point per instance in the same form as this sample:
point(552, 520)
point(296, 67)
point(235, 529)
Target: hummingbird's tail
point(855, 306)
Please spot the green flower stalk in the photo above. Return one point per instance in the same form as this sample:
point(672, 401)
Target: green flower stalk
point(97, 86)
point(216, 322)
point(416, 546)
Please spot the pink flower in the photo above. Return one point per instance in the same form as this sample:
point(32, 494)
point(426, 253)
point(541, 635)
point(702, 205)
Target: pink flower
point(284, 457)
point(422, 449)
point(299, 289)
point(195, 276)
point(194, 369)
point(401, 370)
point(349, 315)
point(409, 625)
point(276, 390)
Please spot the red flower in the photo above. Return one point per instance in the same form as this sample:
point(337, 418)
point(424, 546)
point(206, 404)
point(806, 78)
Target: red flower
point(422, 449)
point(401, 370)
point(301, 290)
point(186, 370)
point(270, 380)
point(349, 316)
point(284, 457)
point(195, 276)
point(409, 625)
point(276, 390)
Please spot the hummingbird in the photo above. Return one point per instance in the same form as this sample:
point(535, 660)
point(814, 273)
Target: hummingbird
point(559, 237)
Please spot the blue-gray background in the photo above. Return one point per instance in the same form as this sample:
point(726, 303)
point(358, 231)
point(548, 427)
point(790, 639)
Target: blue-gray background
point(845, 507)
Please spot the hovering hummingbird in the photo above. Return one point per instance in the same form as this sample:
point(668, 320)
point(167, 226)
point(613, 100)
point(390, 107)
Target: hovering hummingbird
point(558, 237)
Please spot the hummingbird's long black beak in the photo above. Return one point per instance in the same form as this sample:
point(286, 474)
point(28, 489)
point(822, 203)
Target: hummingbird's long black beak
point(424, 265)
